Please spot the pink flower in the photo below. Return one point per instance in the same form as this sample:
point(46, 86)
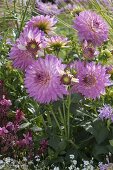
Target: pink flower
point(19, 116)
point(3, 131)
point(91, 27)
point(43, 23)
point(27, 47)
point(42, 79)
point(92, 79)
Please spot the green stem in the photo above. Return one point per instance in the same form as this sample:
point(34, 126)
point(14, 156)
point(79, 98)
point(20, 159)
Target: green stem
point(49, 118)
point(56, 121)
point(62, 121)
point(68, 116)
point(55, 118)
point(23, 18)
point(75, 146)
point(44, 123)
point(64, 112)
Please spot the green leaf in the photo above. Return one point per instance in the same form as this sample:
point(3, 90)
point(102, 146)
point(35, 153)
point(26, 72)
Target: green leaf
point(111, 142)
point(99, 131)
point(98, 150)
point(25, 125)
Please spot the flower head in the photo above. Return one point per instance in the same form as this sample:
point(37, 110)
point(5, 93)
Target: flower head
point(56, 42)
point(106, 112)
point(91, 27)
point(47, 8)
point(92, 79)
point(26, 48)
point(89, 51)
point(108, 166)
point(43, 23)
point(42, 79)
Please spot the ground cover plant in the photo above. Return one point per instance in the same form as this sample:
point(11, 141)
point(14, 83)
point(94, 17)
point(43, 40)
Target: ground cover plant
point(56, 85)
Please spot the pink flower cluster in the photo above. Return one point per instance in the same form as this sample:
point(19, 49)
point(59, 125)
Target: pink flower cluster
point(9, 139)
point(46, 77)
point(43, 147)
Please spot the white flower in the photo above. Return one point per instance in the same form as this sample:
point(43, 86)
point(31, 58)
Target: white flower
point(74, 162)
point(56, 168)
point(2, 166)
point(1, 162)
point(71, 156)
point(7, 160)
point(24, 159)
point(86, 163)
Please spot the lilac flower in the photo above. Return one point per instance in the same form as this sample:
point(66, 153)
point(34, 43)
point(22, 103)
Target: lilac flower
point(43, 23)
point(47, 8)
point(103, 167)
point(42, 79)
point(92, 79)
point(60, 2)
point(91, 27)
point(70, 7)
point(26, 48)
point(56, 42)
point(108, 166)
point(106, 112)
point(81, 1)
point(107, 3)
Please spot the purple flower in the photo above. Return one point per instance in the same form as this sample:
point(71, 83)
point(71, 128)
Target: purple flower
point(108, 166)
point(47, 8)
point(91, 27)
point(81, 1)
point(26, 48)
point(106, 112)
point(43, 23)
point(70, 7)
point(92, 79)
point(42, 79)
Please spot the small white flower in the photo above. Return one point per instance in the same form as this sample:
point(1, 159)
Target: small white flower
point(74, 162)
point(71, 156)
point(1, 162)
point(7, 160)
point(56, 168)
point(30, 162)
point(24, 159)
point(2, 166)
point(86, 162)
point(71, 167)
